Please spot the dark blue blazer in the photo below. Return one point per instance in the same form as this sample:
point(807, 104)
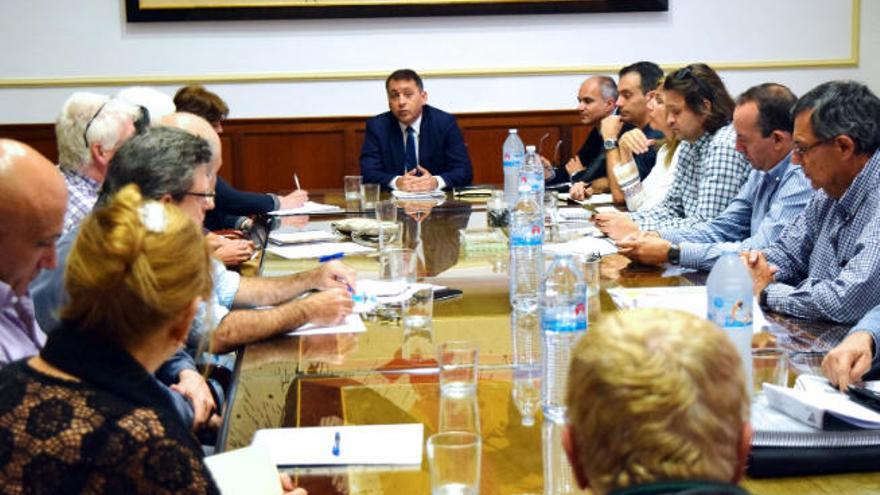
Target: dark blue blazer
point(441, 149)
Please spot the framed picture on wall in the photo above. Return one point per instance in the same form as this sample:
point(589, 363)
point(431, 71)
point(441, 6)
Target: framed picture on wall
point(203, 10)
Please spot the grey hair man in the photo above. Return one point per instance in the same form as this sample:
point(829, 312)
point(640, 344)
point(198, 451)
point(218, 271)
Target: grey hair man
point(826, 263)
point(31, 215)
point(596, 99)
point(89, 129)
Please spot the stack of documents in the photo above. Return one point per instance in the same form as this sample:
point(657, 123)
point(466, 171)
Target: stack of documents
point(596, 199)
point(406, 195)
point(399, 444)
point(301, 237)
point(583, 246)
point(304, 251)
point(309, 208)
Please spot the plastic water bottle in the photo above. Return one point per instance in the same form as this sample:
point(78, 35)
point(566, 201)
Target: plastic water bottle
point(532, 174)
point(512, 154)
point(525, 322)
point(729, 293)
point(563, 322)
point(526, 248)
point(627, 175)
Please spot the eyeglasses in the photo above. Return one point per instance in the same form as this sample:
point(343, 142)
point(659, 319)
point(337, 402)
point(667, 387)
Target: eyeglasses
point(702, 86)
point(801, 150)
point(89, 124)
point(206, 196)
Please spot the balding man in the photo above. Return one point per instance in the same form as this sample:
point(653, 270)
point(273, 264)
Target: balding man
point(89, 129)
point(31, 216)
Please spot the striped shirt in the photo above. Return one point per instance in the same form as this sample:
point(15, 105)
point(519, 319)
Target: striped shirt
point(82, 193)
point(709, 174)
point(829, 257)
point(765, 205)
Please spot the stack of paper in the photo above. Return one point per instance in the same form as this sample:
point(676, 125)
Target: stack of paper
point(343, 445)
point(574, 214)
point(302, 251)
point(301, 237)
point(352, 324)
point(814, 402)
point(309, 208)
point(436, 194)
point(583, 246)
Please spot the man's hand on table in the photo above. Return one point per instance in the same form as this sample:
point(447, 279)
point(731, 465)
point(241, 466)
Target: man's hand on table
point(645, 247)
point(846, 363)
point(580, 191)
point(615, 225)
point(193, 386)
point(231, 251)
point(328, 307)
point(334, 274)
point(762, 273)
point(418, 179)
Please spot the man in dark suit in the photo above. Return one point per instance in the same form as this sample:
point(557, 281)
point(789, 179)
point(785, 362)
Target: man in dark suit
point(413, 147)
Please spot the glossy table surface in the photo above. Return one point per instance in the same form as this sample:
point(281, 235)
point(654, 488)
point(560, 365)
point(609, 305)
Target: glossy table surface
point(383, 376)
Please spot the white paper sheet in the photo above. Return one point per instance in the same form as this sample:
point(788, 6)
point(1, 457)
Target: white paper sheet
point(575, 214)
point(301, 237)
point(352, 324)
point(244, 471)
point(309, 208)
point(301, 251)
point(437, 194)
point(583, 245)
point(399, 444)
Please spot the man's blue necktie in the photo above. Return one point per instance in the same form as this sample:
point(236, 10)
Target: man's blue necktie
point(410, 161)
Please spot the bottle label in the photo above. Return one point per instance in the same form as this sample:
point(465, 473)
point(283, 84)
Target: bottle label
point(571, 318)
point(535, 180)
point(529, 234)
point(730, 313)
point(512, 159)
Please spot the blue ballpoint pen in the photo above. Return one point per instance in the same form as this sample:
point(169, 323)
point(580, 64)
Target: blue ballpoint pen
point(329, 257)
point(336, 444)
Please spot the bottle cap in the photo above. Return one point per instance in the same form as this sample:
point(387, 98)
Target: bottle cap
point(530, 148)
point(511, 131)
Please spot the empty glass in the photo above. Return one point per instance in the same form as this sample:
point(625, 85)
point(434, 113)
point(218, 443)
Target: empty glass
point(389, 228)
point(459, 408)
point(352, 186)
point(369, 196)
point(454, 463)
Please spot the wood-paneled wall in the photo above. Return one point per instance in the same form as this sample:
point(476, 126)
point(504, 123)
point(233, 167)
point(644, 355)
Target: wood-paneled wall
point(263, 154)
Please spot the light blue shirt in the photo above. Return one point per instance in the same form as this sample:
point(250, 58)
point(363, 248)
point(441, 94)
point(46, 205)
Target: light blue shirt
point(767, 202)
point(871, 323)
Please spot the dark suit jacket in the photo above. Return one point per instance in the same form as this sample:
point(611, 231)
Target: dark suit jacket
point(230, 204)
point(441, 149)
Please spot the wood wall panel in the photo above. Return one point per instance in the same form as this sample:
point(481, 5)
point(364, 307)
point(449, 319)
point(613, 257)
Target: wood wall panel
point(262, 154)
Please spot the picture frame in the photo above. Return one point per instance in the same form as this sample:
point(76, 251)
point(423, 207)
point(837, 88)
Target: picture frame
point(218, 10)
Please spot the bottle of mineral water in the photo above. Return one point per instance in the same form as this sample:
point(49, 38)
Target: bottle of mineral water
point(627, 175)
point(563, 322)
point(512, 154)
point(532, 174)
point(525, 324)
point(526, 246)
point(729, 298)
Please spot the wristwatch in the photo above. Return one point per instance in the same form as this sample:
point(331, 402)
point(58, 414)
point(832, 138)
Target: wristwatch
point(610, 144)
point(762, 298)
point(674, 254)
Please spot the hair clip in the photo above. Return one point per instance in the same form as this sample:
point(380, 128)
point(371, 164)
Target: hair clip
point(153, 216)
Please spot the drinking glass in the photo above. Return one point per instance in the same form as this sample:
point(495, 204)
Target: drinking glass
point(352, 186)
point(454, 463)
point(769, 365)
point(590, 265)
point(389, 228)
point(496, 211)
point(369, 196)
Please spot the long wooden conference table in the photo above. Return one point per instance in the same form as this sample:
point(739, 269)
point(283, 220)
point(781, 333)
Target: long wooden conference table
point(383, 376)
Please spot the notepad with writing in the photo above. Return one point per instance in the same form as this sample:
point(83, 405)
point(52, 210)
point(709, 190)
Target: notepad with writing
point(397, 444)
point(309, 208)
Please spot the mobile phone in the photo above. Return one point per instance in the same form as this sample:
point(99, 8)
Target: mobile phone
point(446, 294)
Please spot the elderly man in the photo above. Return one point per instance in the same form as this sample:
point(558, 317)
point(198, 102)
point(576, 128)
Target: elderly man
point(89, 130)
point(710, 171)
point(773, 195)
point(31, 219)
point(414, 146)
point(586, 170)
point(636, 86)
point(674, 410)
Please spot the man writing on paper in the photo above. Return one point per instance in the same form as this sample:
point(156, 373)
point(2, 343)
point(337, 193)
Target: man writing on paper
point(413, 147)
point(773, 195)
point(826, 263)
point(657, 404)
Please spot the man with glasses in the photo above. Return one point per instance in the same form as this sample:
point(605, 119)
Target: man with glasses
point(414, 146)
point(826, 264)
point(772, 197)
point(710, 171)
point(89, 130)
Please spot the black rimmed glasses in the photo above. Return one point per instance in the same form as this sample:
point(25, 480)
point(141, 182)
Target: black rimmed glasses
point(206, 196)
point(702, 86)
point(801, 150)
point(89, 124)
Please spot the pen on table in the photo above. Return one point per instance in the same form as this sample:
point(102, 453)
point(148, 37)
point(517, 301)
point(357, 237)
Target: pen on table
point(296, 181)
point(336, 439)
point(336, 256)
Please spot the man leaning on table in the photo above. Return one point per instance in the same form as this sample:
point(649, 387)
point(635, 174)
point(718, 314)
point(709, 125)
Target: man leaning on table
point(673, 417)
point(773, 195)
point(826, 263)
point(414, 146)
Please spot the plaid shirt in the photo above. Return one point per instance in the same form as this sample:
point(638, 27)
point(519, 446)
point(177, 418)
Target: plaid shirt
point(829, 257)
point(82, 192)
point(709, 174)
point(765, 205)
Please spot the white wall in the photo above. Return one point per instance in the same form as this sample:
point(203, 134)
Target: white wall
point(50, 40)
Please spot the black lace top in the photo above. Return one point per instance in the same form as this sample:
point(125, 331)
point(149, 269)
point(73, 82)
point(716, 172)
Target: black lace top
point(113, 432)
